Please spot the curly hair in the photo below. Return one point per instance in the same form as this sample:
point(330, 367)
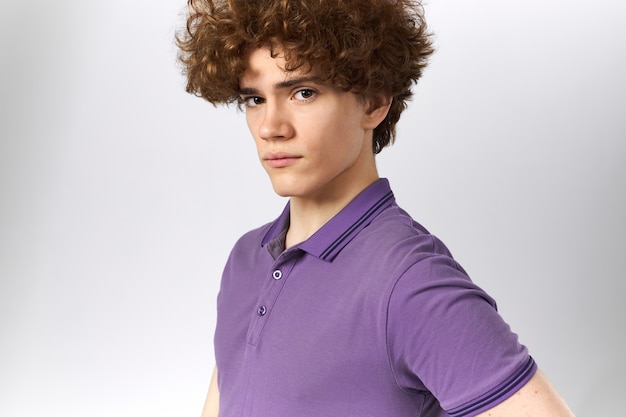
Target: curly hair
point(363, 46)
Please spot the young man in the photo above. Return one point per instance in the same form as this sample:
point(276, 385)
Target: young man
point(344, 306)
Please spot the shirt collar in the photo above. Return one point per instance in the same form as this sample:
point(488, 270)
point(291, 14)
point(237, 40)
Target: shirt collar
point(331, 238)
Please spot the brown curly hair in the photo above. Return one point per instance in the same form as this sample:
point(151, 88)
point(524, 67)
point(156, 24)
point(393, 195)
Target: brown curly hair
point(363, 46)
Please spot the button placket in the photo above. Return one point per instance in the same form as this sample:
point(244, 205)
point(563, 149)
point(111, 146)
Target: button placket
point(269, 294)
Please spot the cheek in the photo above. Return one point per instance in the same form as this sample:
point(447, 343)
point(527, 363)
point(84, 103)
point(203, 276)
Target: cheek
point(338, 123)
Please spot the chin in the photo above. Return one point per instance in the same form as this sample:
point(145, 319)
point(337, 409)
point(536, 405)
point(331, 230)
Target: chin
point(287, 189)
point(284, 191)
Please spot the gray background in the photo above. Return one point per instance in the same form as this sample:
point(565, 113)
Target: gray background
point(120, 195)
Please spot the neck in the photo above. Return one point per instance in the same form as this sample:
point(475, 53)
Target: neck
point(308, 215)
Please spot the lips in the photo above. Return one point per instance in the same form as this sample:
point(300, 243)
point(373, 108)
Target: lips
point(280, 159)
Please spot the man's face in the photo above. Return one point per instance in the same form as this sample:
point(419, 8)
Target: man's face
point(313, 140)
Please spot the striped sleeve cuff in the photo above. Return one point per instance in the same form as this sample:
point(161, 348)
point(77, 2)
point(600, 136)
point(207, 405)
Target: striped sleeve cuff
point(500, 393)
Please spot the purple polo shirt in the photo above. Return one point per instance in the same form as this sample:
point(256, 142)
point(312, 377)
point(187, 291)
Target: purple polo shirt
point(369, 317)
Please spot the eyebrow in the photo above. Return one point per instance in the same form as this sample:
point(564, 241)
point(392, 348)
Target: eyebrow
point(281, 85)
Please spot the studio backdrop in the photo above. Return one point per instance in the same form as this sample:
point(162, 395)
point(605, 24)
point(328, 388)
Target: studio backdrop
point(121, 195)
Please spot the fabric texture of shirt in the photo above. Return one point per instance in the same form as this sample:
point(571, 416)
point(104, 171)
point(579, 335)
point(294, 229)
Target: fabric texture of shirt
point(369, 317)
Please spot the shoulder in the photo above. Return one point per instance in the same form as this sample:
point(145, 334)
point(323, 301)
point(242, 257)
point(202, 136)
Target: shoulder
point(254, 236)
point(404, 242)
point(250, 243)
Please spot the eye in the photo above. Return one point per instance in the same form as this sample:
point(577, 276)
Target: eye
point(251, 101)
point(305, 94)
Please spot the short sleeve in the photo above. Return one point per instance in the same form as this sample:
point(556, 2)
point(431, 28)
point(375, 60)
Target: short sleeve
point(445, 336)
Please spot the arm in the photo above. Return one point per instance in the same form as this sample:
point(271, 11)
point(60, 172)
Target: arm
point(537, 398)
point(211, 405)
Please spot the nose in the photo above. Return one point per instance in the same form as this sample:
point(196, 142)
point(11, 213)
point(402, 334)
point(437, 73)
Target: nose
point(276, 123)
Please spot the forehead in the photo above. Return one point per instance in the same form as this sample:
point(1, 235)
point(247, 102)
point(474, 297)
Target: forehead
point(260, 60)
point(268, 64)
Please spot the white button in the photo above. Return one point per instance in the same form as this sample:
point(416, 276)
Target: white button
point(277, 274)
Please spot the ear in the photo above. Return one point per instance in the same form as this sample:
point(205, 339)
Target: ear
point(376, 109)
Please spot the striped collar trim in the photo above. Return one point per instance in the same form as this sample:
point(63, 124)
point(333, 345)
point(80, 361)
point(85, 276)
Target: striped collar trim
point(331, 238)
